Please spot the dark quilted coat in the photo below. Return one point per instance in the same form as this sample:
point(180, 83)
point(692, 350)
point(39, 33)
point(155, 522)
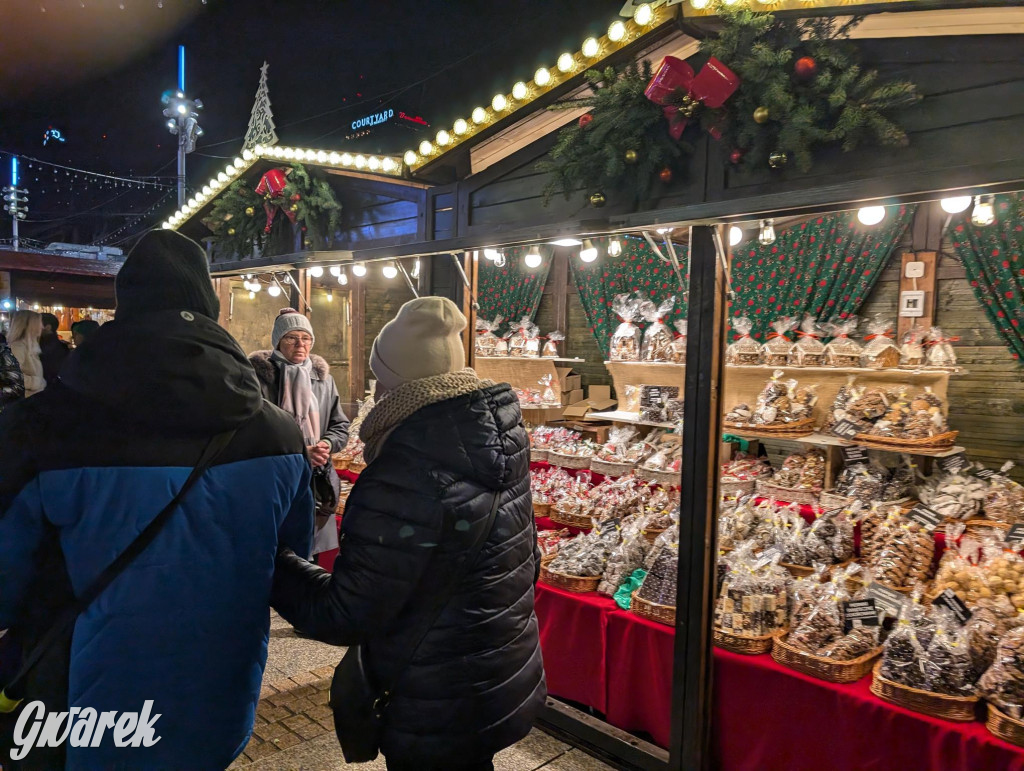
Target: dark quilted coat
point(477, 681)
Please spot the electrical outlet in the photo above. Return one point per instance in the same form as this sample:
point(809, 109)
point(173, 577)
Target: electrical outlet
point(915, 270)
point(912, 303)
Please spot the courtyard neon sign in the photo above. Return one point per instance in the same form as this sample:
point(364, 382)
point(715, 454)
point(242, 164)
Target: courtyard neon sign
point(373, 120)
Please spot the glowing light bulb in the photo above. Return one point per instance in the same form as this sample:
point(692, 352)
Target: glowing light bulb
point(343, 279)
point(492, 254)
point(222, 178)
point(479, 115)
point(984, 213)
point(617, 32)
point(566, 62)
point(460, 127)
point(335, 270)
point(259, 149)
point(256, 286)
point(499, 102)
point(346, 159)
point(238, 163)
point(614, 247)
point(542, 77)
point(409, 157)
point(735, 235)
point(871, 215)
point(247, 155)
point(426, 148)
point(167, 226)
point(591, 47)
point(330, 296)
point(360, 162)
point(589, 252)
point(389, 270)
point(358, 269)
point(334, 159)
point(700, 4)
point(443, 138)
point(321, 157)
point(644, 14)
point(289, 153)
point(373, 163)
point(520, 91)
point(766, 235)
point(252, 295)
point(567, 242)
point(532, 259)
point(274, 290)
point(956, 204)
point(316, 271)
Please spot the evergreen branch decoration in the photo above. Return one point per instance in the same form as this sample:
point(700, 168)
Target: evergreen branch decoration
point(593, 158)
point(833, 100)
point(237, 218)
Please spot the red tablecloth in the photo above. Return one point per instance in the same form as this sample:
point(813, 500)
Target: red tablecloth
point(765, 717)
point(546, 523)
point(572, 638)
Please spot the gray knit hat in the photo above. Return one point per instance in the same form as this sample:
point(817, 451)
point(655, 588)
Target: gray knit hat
point(287, 320)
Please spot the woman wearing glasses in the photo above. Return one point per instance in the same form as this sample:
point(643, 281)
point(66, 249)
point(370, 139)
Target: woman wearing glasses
point(299, 382)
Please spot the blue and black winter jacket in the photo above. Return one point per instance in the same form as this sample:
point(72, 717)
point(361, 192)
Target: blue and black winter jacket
point(85, 466)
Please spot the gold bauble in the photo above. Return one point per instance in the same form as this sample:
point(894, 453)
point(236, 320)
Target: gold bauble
point(597, 199)
point(294, 207)
point(632, 157)
point(761, 115)
point(231, 231)
point(250, 211)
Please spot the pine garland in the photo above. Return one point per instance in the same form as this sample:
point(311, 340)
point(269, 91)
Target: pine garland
point(593, 158)
point(843, 103)
point(235, 229)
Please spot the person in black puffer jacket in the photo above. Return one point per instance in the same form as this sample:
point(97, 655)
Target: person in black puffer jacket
point(440, 444)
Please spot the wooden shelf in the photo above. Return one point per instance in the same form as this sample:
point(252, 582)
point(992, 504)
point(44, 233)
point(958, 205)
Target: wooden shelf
point(824, 440)
point(621, 416)
point(896, 373)
point(526, 358)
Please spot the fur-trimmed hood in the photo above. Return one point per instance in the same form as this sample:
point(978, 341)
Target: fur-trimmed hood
point(266, 370)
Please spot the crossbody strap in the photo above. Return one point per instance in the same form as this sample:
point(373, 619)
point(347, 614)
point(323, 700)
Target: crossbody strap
point(438, 603)
point(11, 694)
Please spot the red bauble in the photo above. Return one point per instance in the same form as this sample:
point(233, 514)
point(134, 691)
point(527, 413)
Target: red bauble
point(296, 197)
point(585, 120)
point(736, 156)
point(805, 68)
point(665, 175)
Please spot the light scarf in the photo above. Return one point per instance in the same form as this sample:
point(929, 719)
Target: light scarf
point(297, 396)
point(396, 406)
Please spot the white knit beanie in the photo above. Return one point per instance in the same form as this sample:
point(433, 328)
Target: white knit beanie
point(287, 320)
point(421, 341)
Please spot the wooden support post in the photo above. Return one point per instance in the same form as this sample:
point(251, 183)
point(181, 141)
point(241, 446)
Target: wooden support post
point(702, 435)
point(925, 283)
point(560, 289)
point(469, 306)
point(294, 301)
point(222, 286)
point(356, 342)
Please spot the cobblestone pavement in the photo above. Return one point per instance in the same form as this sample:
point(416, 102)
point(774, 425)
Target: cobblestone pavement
point(294, 729)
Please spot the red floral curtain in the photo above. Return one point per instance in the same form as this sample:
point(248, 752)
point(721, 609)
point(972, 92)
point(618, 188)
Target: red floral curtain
point(636, 270)
point(825, 267)
point(993, 260)
point(513, 290)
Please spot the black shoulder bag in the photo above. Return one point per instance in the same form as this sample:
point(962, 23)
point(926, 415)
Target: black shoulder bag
point(13, 692)
point(359, 704)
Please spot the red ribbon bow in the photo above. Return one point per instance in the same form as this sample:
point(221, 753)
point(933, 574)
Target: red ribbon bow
point(272, 186)
point(772, 335)
point(801, 333)
point(680, 91)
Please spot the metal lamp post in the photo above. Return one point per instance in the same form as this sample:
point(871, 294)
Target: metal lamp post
point(15, 202)
point(182, 116)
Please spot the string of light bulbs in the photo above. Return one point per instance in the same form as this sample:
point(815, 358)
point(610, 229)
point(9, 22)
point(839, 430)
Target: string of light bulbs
point(76, 173)
point(122, 5)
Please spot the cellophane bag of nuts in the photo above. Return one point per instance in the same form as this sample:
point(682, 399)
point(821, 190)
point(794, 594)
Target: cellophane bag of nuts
point(904, 654)
point(775, 352)
point(626, 557)
point(753, 601)
point(880, 352)
point(1004, 500)
point(657, 344)
point(808, 350)
point(551, 345)
point(843, 350)
point(743, 350)
point(957, 495)
point(626, 339)
point(1003, 683)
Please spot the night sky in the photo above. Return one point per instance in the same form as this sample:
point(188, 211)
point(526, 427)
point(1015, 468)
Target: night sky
point(331, 61)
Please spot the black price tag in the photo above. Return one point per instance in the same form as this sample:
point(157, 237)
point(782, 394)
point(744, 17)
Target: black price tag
point(886, 598)
point(949, 599)
point(1015, 535)
point(860, 613)
point(953, 464)
point(846, 429)
point(853, 455)
point(929, 519)
point(986, 473)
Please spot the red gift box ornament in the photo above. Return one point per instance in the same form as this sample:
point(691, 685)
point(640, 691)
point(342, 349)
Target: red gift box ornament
point(680, 91)
point(271, 187)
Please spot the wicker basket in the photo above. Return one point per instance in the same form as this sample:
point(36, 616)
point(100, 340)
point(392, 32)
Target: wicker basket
point(957, 708)
point(562, 517)
point(610, 468)
point(737, 488)
point(738, 643)
point(541, 509)
point(978, 524)
point(789, 495)
point(663, 614)
point(340, 463)
point(652, 534)
point(800, 571)
point(569, 583)
point(1005, 727)
point(833, 501)
point(569, 461)
point(795, 429)
point(355, 467)
point(538, 455)
point(821, 667)
point(894, 444)
point(664, 478)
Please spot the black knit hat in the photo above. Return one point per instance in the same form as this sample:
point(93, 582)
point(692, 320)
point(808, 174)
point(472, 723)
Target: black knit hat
point(165, 271)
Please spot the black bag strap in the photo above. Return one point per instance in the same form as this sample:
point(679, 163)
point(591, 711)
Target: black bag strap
point(66, 620)
point(438, 604)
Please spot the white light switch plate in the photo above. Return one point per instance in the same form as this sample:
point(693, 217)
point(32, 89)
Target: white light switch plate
point(912, 304)
point(915, 269)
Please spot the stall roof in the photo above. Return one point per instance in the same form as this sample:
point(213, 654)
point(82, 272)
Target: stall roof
point(39, 262)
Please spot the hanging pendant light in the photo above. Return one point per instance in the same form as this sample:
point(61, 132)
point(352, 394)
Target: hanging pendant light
point(766, 236)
